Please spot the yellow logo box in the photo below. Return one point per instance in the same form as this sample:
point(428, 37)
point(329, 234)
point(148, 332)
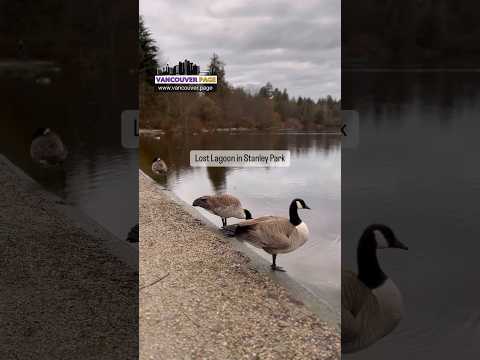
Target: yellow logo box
point(207, 79)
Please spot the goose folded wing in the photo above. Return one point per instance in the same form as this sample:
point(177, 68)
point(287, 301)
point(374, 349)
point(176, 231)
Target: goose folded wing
point(350, 326)
point(357, 302)
point(223, 201)
point(49, 151)
point(268, 232)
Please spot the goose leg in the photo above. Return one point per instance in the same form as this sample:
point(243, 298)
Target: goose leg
point(224, 222)
point(274, 264)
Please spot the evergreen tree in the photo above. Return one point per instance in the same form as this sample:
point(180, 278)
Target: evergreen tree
point(148, 53)
point(217, 67)
point(266, 91)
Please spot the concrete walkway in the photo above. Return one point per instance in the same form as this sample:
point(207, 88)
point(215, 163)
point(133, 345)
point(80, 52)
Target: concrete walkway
point(202, 299)
point(67, 289)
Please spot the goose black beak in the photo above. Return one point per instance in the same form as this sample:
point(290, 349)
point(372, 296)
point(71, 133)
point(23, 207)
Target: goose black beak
point(307, 207)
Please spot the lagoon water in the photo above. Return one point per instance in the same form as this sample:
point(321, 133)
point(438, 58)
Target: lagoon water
point(99, 177)
point(416, 169)
point(314, 175)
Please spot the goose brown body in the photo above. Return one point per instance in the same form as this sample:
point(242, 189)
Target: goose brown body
point(274, 234)
point(47, 148)
point(224, 206)
point(159, 167)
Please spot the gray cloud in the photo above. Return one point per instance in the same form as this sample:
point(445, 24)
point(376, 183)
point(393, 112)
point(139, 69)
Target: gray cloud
point(292, 44)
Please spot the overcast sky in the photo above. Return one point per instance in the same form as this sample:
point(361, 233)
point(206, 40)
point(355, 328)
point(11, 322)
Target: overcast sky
point(294, 44)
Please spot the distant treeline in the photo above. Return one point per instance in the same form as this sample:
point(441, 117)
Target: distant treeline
point(227, 107)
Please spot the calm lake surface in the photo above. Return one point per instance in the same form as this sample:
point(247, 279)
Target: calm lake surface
point(314, 175)
point(416, 169)
point(99, 177)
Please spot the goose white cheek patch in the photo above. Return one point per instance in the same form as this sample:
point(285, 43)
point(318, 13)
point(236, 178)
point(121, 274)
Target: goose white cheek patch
point(382, 243)
point(299, 205)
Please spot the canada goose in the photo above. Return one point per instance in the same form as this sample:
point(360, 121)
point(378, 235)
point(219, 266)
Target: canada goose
point(133, 234)
point(223, 205)
point(274, 234)
point(158, 166)
point(372, 305)
point(47, 148)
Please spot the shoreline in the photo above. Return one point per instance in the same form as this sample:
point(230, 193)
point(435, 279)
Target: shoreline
point(217, 283)
point(64, 278)
point(313, 302)
point(158, 132)
point(121, 249)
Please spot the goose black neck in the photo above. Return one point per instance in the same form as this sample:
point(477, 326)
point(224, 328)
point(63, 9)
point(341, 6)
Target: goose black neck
point(369, 271)
point(294, 218)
